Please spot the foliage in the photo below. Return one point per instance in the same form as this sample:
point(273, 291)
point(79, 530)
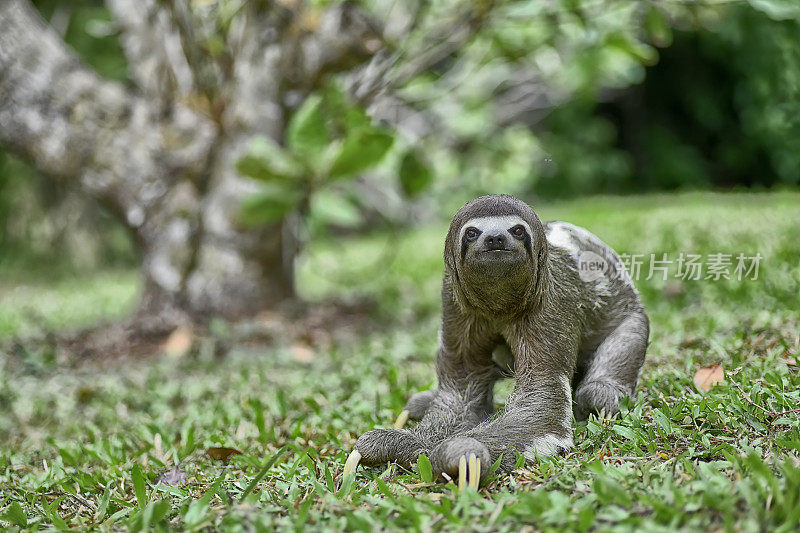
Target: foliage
point(38, 217)
point(719, 109)
point(329, 143)
point(546, 98)
point(85, 447)
point(42, 302)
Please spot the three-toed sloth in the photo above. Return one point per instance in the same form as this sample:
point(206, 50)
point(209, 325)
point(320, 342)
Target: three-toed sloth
point(560, 300)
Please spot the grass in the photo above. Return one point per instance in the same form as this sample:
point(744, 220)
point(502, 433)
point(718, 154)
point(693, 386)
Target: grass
point(35, 307)
point(83, 447)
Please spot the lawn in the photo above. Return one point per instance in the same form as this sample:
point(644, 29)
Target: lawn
point(96, 444)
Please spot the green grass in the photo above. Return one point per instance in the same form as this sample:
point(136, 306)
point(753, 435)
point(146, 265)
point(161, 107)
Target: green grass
point(83, 446)
point(34, 308)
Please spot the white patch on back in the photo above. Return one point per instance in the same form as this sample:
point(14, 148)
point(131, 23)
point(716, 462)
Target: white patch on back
point(497, 224)
point(557, 235)
point(576, 239)
point(584, 236)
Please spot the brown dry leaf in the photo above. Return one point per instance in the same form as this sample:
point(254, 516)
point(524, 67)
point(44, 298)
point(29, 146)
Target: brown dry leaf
point(302, 353)
point(222, 454)
point(174, 478)
point(179, 342)
point(708, 376)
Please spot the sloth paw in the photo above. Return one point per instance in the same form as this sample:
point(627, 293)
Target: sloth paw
point(381, 446)
point(601, 397)
point(465, 457)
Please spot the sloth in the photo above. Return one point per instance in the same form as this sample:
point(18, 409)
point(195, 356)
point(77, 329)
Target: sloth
point(547, 304)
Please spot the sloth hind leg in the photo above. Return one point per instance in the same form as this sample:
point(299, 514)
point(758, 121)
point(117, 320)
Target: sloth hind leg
point(613, 370)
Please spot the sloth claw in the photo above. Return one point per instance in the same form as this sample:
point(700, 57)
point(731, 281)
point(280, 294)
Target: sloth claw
point(462, 457)
point(469, 472)
point(351, 464)
point(402, 418)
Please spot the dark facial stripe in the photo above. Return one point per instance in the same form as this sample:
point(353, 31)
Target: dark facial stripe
point(527, 242)
point(464, 245)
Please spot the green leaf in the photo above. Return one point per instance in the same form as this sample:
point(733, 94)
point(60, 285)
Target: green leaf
point(262, 473)
point(330, 208)
point(160, 510)
point(139, 485)
point(641, 52)
point(51, 511)
point(425, 469)
point(777, 9)
point(268, 206)
point(657, 27)
point(153, 513)
point(360, 151)
point(266, 161)
point(415, 176)
point(198, 508)
point(345, 115)
point(307, 133)
point(625, 432)
point(16, 515)
point(662, 421)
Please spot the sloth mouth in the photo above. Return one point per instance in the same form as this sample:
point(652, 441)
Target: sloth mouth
point(497, 250)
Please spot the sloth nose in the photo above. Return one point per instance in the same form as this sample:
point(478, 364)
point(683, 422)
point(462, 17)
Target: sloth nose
point(494, 242)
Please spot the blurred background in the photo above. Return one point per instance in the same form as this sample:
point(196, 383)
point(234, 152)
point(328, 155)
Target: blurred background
point(272, 181)
point(187, 158)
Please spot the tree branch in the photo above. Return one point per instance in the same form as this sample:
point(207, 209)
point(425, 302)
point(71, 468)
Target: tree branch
point(59, 115)
point(152, 46)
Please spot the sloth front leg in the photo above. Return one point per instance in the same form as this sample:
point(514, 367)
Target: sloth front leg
point(536, 421)
point(419, 403)
point(452, 408)
point(462, 401)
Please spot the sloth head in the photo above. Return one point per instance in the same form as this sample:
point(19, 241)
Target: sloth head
point(493, 252)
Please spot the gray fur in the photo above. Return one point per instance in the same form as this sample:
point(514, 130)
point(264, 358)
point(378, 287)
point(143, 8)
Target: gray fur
point(565, 334)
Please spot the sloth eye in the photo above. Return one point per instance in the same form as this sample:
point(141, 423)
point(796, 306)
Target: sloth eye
point(518, 231)
point(471, 234)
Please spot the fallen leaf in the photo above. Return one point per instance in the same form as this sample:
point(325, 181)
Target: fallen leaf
point(179, 342)
point(302, 353)
point(221, 454)
point(708, 376)
point(174, 478)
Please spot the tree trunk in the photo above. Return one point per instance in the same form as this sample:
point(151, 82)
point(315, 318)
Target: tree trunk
point(164, 167)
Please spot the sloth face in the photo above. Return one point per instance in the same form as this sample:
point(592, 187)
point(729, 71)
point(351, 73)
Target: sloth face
point(495, 246)
point(492, 255)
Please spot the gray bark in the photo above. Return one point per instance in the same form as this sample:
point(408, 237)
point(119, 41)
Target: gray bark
point(160, 153)
point(161, 164)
